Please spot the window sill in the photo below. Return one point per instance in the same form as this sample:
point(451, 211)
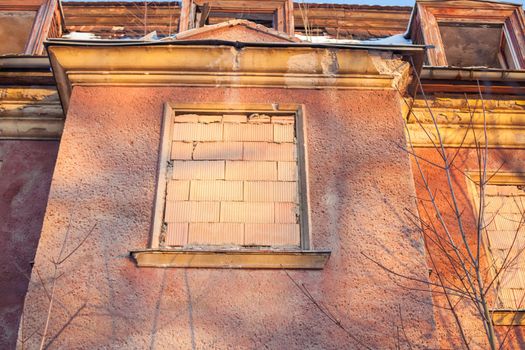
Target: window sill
point(508, 317)
point(232, 259)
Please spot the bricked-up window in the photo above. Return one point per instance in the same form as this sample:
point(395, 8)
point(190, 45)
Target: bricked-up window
point(505, 207)
point(233, 181)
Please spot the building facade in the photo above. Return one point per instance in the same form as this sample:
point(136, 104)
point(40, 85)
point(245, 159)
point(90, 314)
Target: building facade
point(247, 174)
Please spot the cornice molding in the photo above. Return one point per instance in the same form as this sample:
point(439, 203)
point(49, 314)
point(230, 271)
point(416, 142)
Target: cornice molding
point(219, 66)
point(463, 126)
point(30, 113)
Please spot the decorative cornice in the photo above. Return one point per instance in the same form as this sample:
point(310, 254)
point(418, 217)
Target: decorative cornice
point(258, 65)
point(32, 113)
point(464, 125)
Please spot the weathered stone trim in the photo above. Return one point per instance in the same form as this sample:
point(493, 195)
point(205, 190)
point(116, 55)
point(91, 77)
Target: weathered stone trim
point(218, 66)
point(232, 259)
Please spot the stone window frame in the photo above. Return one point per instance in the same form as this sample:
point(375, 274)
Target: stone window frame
point(500, 317)
point(209, 257)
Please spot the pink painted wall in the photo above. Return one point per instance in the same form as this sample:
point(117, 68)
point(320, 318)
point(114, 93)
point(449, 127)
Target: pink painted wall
point(26, 168)
point(360, 184)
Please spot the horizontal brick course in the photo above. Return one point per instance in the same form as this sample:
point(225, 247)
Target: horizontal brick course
point(272, 234)
point(269, 151)
point(283, 133)
point(218, 151)
point(234, 118)
point(186, 118)
point(286, 213)
point(216, 190)
point(251, 170)
point(197, 118)
point(287, 171)
point(200, 170)
point(283, 119)
point(177, 234)
point(248, 132)
point(197, 132)
point(257, 118)
point(247, 212)
point(210, 119)
point(178, 190)
point(191, 211)
point(270, 191)
point(181, 150)
point(216, 233)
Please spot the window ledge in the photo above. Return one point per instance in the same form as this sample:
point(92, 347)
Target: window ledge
point(232, 259)
point(508, 317)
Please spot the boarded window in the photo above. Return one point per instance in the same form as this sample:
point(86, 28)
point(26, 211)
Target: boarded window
point(232, 180)
point(15, 28)
point(473, 45)
point(504, 222)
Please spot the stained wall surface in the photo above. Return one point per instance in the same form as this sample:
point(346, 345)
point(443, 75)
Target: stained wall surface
point(26, 168)
point(360, 186)
point(15, 27)
point(499, 160)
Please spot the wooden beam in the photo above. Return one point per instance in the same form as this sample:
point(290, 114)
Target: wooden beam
point(185, 11)
point(41, 28)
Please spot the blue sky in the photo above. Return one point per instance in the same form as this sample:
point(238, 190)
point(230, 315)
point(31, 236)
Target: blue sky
point(361, 2)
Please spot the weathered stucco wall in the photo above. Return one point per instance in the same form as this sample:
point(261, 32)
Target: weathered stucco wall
point(26, 168)
point(360, 185)
point(501, 160)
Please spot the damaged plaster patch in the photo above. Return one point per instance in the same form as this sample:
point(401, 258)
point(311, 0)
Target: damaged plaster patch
point(329, 62)
point(305, 62)
point(387, 63)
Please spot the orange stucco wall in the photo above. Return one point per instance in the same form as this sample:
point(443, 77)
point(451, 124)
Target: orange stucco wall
point(501, 160)
point(360, 185)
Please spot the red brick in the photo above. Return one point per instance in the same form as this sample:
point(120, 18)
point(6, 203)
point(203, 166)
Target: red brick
point(181, 150)
point(270, 191)
point(178, 190)
point(197, 132)
point(191, 211)
point(269, 151)
point(218, 150)
point(216, 233)
point(284, 133)
point(272, 235)
point(198, 170)
point(247, 212)
point(287, 171)
point(248, 132)
point(216, 190)
point(286, 213)
point(246, 170)
point(177, 234)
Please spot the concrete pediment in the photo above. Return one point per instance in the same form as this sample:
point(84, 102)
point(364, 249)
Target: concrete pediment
point(236, 30)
